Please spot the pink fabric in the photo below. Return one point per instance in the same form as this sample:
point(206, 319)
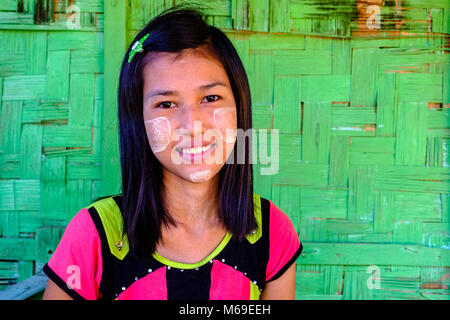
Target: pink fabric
point(78, 258)
point(283, 239)
point(151, 287)
point(228, 283)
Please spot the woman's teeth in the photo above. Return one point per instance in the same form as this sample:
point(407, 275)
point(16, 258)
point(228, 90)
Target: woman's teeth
point(197, 150)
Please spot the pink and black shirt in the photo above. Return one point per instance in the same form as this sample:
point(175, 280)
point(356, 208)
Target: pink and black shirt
point(92, 260)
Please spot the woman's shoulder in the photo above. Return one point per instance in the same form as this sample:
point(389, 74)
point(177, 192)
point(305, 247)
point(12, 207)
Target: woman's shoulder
point(107, 209)
point(101, 211)
point(107, 216)
point(76, 264)
point(272, 213)
point(101, 219)
point(107, 202)
point(284, 243)
point(272, 223)
point(80, 227)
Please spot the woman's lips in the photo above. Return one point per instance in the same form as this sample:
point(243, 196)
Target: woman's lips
point(198, 153)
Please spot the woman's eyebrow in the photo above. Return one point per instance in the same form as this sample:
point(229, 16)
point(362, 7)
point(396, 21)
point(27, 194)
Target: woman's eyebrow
point(174, 92)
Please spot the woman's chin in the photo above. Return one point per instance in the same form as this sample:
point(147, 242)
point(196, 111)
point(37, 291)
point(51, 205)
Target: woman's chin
point(202, 175)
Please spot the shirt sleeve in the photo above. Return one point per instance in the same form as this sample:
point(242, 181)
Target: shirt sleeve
point(76, 265)
point(284, 244)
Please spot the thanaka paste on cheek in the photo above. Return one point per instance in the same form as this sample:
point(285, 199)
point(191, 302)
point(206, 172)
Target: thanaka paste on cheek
point(225, 121)
point(158, 133)
point(200, 176)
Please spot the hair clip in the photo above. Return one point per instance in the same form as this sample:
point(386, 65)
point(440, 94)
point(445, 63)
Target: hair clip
point(137, 47)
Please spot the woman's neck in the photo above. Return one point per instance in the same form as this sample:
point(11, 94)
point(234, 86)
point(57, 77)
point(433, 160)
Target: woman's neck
point(193, 206)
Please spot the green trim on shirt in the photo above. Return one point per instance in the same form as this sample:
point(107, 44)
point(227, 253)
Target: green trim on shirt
point(186, 266)
point(112, 222)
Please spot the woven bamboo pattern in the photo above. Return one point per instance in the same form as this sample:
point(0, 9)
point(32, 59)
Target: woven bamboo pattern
point(51, 88)
point(358, 91)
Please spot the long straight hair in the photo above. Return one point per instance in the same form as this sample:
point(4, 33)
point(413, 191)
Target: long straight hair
point(143, 209)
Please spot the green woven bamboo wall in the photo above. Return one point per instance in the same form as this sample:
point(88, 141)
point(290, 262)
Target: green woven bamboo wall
point(51, 88)
point(362, 108)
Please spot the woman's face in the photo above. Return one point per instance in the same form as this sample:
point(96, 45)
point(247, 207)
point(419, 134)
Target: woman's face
point(189, 113)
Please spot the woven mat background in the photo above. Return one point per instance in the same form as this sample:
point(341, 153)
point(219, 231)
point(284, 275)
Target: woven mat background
point(362, 109)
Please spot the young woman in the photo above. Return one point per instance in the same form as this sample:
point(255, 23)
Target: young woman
point(188, 224)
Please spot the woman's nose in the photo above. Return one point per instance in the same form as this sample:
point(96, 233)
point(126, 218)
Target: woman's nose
point(192, 119)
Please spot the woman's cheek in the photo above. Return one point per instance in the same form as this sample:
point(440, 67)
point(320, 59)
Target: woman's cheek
point(225, 120)
point(158, 133)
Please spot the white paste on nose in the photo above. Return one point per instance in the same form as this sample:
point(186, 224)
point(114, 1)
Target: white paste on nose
point(225, 121)
point(200, 176)
point(158, 133)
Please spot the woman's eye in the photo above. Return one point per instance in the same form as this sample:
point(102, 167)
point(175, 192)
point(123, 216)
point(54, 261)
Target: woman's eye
point(168, 104)
point(212, 98)
point(164, 105)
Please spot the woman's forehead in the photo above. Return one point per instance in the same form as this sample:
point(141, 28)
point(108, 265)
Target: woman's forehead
point(188, 65)
point(155, 58)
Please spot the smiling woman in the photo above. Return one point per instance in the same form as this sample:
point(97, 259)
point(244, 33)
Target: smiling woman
point(188, 112)
point(188, 224)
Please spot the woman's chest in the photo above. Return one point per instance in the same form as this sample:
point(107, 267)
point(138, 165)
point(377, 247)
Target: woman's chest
point(190, 248)
point(232, 270)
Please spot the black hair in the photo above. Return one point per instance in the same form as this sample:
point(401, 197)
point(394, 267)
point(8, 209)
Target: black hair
point(143, 209)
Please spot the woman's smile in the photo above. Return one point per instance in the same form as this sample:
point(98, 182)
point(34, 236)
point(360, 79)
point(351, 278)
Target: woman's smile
point(194, 151)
